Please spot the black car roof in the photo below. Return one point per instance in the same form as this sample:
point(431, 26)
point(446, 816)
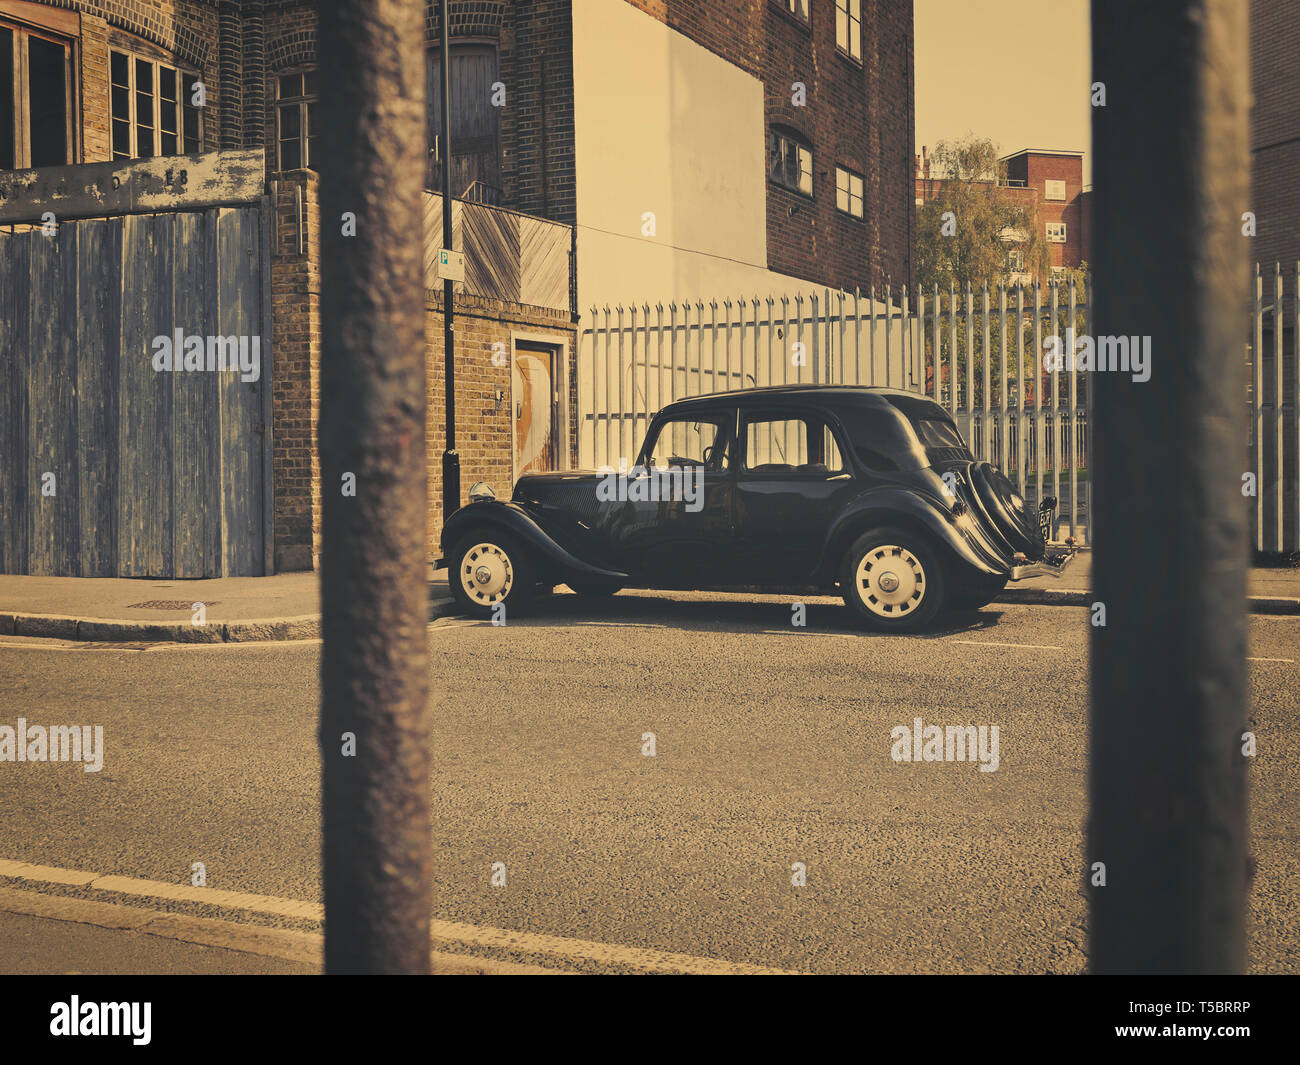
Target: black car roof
point(869, 395)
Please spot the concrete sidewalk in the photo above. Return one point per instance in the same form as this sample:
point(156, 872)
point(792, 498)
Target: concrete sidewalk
point(1271, 590)
point(287, 605)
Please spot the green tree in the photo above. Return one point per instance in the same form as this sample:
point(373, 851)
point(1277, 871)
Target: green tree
point(967, 231)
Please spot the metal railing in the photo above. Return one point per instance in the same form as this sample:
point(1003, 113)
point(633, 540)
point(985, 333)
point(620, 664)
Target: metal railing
point(982, 359)
point(1273, 400)
point(978, 354)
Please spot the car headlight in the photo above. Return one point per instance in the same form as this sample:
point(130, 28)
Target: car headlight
point(481, 492)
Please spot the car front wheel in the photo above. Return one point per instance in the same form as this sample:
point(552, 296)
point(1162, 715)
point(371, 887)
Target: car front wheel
point(490, 572)
point(892, 580)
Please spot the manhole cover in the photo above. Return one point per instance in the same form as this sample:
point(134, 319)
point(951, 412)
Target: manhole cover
point(169, 604)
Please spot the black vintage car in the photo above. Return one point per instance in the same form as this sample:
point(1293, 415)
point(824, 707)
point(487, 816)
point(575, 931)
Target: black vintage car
point(868, 490)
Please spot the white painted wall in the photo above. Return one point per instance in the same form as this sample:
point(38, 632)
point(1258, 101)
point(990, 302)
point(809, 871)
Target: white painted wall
point(663, 126)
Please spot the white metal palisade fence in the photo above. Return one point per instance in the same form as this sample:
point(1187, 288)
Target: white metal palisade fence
point(638, 358)
point(1273, 399)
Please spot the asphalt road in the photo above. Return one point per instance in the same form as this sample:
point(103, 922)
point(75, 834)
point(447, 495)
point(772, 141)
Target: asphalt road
point(772, 748)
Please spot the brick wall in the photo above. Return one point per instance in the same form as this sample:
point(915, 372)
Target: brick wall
point(1036, 169)
point(295, 370)
point(1275, 132)
point(537, 153)
point(483, 428)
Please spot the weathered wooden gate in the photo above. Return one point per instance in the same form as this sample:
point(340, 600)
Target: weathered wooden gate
point(108, 466)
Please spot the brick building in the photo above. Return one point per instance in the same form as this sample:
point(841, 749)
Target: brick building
point(602, 150)
point(1275, 131)
point(134, 93)
point(1048, 182)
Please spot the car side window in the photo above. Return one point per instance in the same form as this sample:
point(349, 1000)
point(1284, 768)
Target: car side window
point(781, 445)
point(686, 442)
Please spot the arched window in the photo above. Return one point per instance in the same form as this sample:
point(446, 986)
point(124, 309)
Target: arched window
point(789, 160)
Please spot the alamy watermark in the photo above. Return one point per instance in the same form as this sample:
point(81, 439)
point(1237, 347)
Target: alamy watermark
point(55, 743)
point(1102, 354)
point(946, 743)
point(233, 354)
point(650, 485)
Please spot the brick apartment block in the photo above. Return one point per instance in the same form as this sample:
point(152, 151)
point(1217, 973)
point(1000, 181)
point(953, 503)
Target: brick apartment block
point(1050, 182)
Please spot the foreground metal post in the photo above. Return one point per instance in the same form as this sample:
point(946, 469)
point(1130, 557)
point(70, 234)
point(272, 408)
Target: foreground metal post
point(377, 844)
point(1167, 781)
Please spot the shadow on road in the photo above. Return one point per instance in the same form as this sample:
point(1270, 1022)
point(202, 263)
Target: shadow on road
point(720, 612)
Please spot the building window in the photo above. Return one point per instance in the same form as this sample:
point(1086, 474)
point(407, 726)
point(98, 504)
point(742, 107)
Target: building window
point(1056, 232)
point(848, 27)
point(152, 109)
point(848, 191)
point(1016, 260)
point(790, 161)
point(295, 115)
point(1055, 190)
point(797, 8)
point(35, 95)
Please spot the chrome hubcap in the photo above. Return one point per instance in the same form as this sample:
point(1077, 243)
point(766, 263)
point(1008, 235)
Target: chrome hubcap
point(890, 581)
point(486, 573)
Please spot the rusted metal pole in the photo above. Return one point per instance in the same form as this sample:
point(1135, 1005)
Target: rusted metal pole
point(374, 665)
point(1168, 779)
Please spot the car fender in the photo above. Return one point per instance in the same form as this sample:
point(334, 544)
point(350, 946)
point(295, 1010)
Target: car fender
point(895, 505)
point(519, 523)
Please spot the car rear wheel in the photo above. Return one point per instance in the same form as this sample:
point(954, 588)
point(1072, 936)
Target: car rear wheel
point(595, 589)
point(488, 571)
point(892, 580)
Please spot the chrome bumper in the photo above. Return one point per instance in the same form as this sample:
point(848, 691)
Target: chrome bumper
point(1053, 565)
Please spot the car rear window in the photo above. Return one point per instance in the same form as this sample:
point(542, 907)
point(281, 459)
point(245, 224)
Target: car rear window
point(936, 432)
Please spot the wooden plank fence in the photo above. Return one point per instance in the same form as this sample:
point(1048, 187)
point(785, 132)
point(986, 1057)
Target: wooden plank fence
point(108, 467)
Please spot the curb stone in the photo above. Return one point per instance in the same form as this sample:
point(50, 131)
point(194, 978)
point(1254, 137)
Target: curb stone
point(308, 626)
point(1255, 604)
point(105, 630)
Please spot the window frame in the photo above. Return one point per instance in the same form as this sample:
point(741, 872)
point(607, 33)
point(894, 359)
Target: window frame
point(303, 104)
point(23, 31)
point(787, 8)
point(725, 422)
point(860, 215)
point(185, 78)
point(810, 419)
point(1047, 186)
point(844, 6)
point(800, 143)
point(1062, 239)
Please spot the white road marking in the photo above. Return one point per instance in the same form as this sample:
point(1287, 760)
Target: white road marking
point(1027, 646)
point(797, 632)
point(624, 624)
point(444, 933)
point(1291, 660)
